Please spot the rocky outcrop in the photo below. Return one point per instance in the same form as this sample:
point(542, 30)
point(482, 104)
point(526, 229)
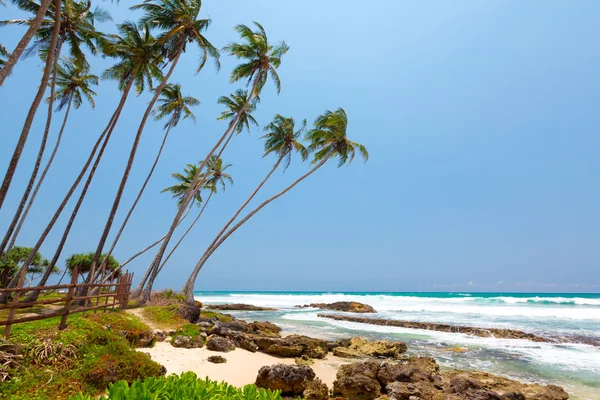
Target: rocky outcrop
point(291, 380)
point(187, 342)
point(345, 306)
point(293, 346)
point(216, 359)
point(469, 330)
point(420, 378)
point(359, 347)
point(219, 343)
point(304, 360)
point(316, 390)
point(237, 307)
point(264, 329)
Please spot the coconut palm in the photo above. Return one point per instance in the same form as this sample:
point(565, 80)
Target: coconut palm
point(235, 105)
point(66, 22)
point(140, 58)
point(4, 54)
point(176, 107)
point(328, 139)
point(179, 22)
point(261, 61)
point(74, 82)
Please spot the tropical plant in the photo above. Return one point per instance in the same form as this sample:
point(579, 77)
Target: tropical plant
point(261, 60)
point(83, 262)
point(235, 106)
point(4, 54)
point(328, 139)
point(11, 261)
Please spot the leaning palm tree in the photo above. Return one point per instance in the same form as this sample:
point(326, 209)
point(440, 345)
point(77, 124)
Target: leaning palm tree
point(67, 22)
point(236, 105)
point(176, 107)
point(178, 19)
point(261, 61)
point(74, 82)
point(4, 54)
point(140, 58)
point(327, 139)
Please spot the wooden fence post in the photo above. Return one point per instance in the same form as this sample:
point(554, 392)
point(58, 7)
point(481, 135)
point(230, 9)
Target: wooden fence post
point(74, 278)
point(15, 300)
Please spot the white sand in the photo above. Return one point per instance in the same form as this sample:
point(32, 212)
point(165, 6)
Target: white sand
point(241, 367)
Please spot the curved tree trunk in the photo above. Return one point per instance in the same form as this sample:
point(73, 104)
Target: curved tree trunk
point(38, 160)
point(14, 161)
point(42, 177)
point(18, 51)
point(194, 186)
point(188, 288)
point(132, 154)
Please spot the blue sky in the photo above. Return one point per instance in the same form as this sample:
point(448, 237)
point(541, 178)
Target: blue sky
point(482, 123)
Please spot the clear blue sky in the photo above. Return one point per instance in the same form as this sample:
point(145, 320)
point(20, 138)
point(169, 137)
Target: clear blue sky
point(482, 120)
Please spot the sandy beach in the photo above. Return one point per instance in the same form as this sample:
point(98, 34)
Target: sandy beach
point(241, 368)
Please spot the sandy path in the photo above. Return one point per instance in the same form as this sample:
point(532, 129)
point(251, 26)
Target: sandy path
point(241, 367)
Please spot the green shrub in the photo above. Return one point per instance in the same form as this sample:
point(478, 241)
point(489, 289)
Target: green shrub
point(212, 314)
point(164, 317)
point(185, 386)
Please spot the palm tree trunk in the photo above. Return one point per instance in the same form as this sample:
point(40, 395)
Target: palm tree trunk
point(42, 177)
point(14, 161)
point(188, 288)
point(105, 134)
point(38, 160)
point(18, 51)
point(132, 154)
point(191, 191)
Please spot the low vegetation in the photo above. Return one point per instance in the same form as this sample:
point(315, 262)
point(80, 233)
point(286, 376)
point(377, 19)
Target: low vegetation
point(185, 386)
point(212, 314)
point(41, 362)
point(163, 317)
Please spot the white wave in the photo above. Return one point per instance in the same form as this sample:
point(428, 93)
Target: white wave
point(546, 300)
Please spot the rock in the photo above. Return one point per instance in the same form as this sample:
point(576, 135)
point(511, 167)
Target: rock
point(160, 336)
point(239, 339)
point(264, 329)
point(359, 347)
point(416, 369)
point(304, 360)
point(411, 391)
point(291, 380)
point(345, 306)
point(219, 343)
point(237, 307)
point(293, 346)
point(187, 342)
point(316, 390)
point(216, 359)
point(358, 381)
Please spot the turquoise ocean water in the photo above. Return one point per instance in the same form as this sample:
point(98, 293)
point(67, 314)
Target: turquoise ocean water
point(573, 317)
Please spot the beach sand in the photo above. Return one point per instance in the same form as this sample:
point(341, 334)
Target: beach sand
point(241, 367)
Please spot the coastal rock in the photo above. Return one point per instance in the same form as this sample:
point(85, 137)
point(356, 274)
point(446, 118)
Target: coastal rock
point(414, 369)
point(219, 343)
point(469, 330)
point(358, 381)
point(292, 380)
point(187, 342)
point(345, 306)
point(264, 329)
point(304, 360)
point(216, 359)
point(160, 336)
point(237, 307)
point(410, 391)
point(359, 347)
point(293, 346)
point(316, 390)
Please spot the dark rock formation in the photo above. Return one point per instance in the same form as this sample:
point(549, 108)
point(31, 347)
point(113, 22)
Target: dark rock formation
point(469, 330)
point(359, 347)
point(316, 390)
point(187, 342)
point(304, 360)
point(358, 381)
point(345, 306)
point(237, 307)
point(292, 380)
point(264, 329)
point(216, 359)
point(219, 343)
point(293, 346)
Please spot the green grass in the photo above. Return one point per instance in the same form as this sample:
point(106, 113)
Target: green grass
point(187, 330)
point(164, 317)
point(103, 355)
point(211, 314)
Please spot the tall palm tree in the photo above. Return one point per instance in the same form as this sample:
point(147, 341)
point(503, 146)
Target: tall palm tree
point(235, 105)
point(176, 107)
point(178, 19)
point(7, 66)
point(4, 54)
point(74, 82)
point(261, 60)
point(328, 139)
point(140, 58)
point(67, 21)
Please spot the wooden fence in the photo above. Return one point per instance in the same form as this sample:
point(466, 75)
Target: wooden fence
point(110, 293)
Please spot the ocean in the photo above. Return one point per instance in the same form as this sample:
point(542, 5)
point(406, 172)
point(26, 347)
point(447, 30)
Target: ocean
point(574, 317)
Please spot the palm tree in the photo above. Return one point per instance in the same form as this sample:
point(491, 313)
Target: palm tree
point(139, 63)
point(74, 82)
point(4, 54)
point(178, 19)
point(83, 263)
point(261, 60)
point(235, 105)
point(217, 178)
point(327, 139)
point(70, 22)
point(175, 106)
point(7, 66)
